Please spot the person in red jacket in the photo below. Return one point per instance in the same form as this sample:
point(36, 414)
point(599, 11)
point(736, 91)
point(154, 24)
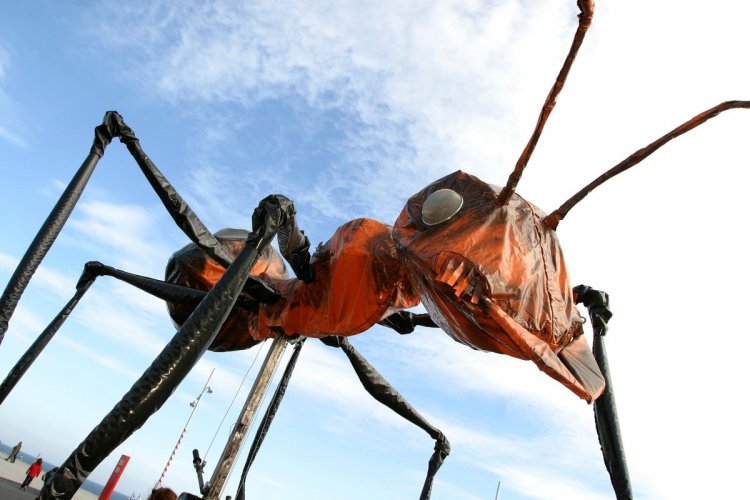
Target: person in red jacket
point(34, 470)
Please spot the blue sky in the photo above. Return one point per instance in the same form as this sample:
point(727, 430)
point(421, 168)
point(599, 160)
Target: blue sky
point(348, 109)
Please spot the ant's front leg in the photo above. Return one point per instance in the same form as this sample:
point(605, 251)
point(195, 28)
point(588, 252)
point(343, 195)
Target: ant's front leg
point(605, 410)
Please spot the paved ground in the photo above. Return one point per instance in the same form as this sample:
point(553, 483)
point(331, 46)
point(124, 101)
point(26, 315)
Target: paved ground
point(13, 474)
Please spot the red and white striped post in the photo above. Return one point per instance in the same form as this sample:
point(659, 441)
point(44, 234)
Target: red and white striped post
point(194, 404)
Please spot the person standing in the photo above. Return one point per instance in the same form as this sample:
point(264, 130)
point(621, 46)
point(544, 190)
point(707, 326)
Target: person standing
point(34, 470)
point(14, 453)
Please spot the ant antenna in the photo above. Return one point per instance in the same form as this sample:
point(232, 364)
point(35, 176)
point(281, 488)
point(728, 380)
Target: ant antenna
point(553, 219)
point(584, 21)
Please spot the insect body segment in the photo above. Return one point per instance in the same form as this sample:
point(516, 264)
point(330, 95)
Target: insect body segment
point(192, 267)
point(493, 277)
point(359, 280)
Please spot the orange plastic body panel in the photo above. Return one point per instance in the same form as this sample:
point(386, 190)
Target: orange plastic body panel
point(191, 267)
point(493, 277)
point(358, 281)
point(503, 252)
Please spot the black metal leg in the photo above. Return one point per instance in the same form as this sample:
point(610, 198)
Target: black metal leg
point(33, 352)
point(54, 223)
point(181, 212)
point(605, 410)
point(385, 393)
point(159, 380)
point(168, 292)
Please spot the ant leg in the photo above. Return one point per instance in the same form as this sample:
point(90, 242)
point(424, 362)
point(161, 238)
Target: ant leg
point(605, 410)
point(293, 244)
point(404, 322)
point(159, 380)
point(54, 223)
point(113, 126)
point(181, 212)
point(169, 292)
point(385, 393)
point(25, 361)
point(166, 291)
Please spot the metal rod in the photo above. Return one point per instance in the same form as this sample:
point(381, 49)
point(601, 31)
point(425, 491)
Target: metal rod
point(241, 428)
point(184, 429)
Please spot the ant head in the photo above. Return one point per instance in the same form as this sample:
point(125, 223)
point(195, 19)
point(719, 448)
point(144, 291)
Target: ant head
point(466, 252)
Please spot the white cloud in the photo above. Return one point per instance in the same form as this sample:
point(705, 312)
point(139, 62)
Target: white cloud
point(26, 324)
point(109, 362)
point(60, 284)
point(126, 232)
point(425, 85)
point(8, 262)
point(4, 61)
point(12, 137)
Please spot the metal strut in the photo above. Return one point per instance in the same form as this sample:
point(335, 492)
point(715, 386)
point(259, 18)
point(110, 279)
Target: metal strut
point(386, 394)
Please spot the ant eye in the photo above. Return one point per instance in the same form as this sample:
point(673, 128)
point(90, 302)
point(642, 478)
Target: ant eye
point(441, 206)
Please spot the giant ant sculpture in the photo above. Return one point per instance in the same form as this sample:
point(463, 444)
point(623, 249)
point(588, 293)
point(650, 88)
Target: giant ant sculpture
point(485, 263)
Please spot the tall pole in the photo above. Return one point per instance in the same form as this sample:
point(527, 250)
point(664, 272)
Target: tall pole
point(234, 443)
point(194, 404)
point(497, 493)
